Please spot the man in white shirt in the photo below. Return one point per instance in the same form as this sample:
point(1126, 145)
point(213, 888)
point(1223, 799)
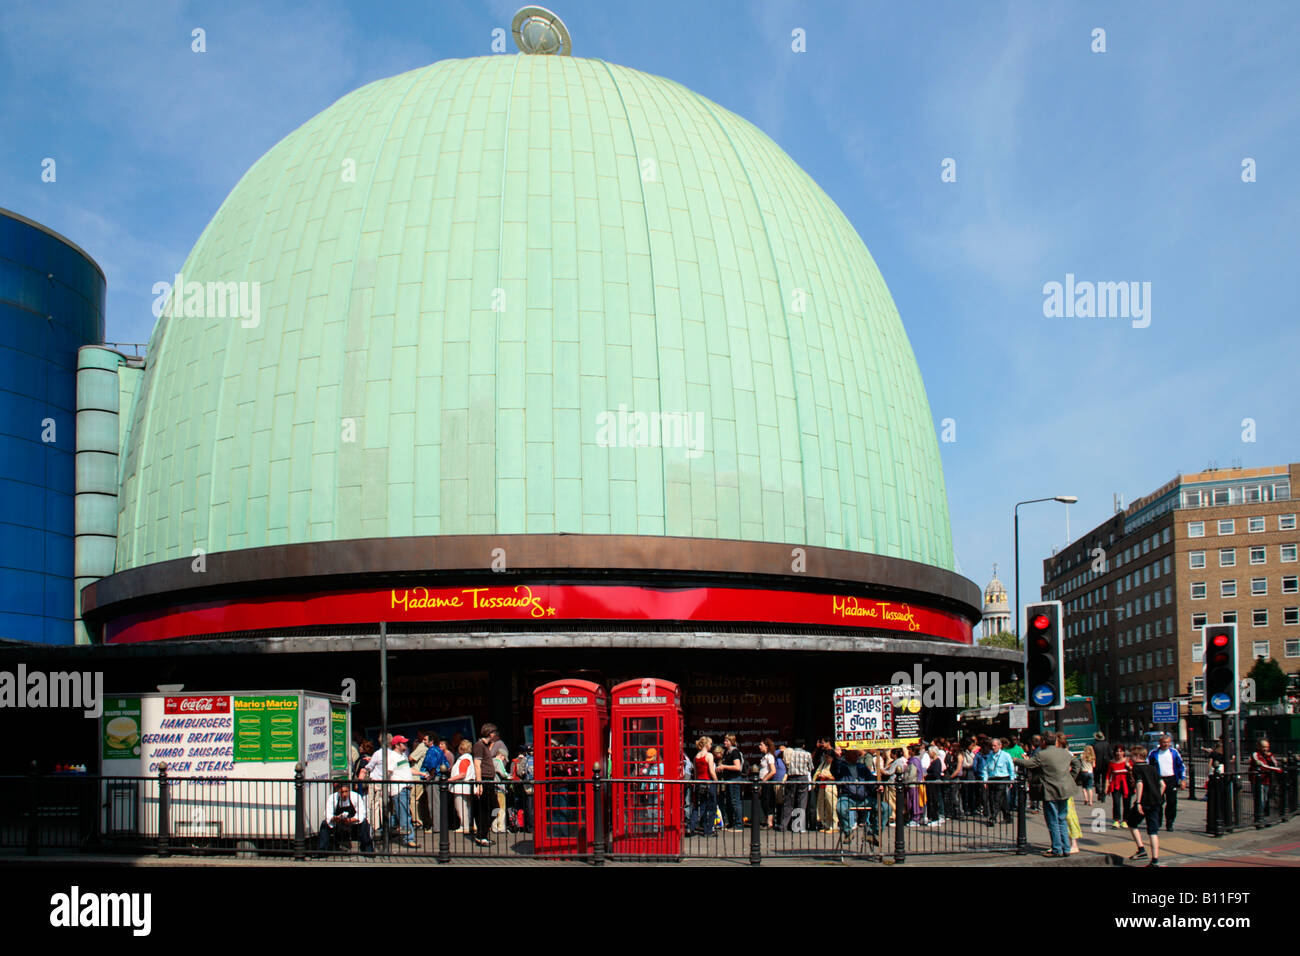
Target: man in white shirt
point(345, 818)
point(397, 778)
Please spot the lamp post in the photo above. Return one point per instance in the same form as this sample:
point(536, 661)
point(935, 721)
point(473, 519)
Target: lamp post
point(1066, 500)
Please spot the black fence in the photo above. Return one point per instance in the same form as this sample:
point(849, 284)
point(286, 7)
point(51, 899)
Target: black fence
point(588, 819)
point(592, 819)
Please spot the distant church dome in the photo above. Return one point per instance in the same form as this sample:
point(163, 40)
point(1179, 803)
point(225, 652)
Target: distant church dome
point(997, 612)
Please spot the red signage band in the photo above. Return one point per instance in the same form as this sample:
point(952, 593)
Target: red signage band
point(196, 705)
point(538, 602)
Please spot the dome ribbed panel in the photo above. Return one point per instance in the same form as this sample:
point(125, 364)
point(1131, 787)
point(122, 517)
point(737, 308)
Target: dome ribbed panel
point(465, 269)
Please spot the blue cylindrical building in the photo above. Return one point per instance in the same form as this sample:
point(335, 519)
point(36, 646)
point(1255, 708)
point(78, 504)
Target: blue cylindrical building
point(51, 304)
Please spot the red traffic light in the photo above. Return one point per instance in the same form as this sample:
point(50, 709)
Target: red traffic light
point(1041, 622)
point(1220, 640)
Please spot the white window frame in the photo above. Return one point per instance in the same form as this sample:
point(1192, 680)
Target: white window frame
point(1281, 553)
point(1198, 653)
point(1204, 590)
point(1227, 557)
point(1291, 647)
point(1228, 617)
point(1261, 552)
point(1196, 529)
point(1193, 557)
point(1229, 523)
point(1293, 613)
point(1255, 620)
point(1291, 584)
point(1286, 522)
point(1251, 524)
point(1259, 587)
point(1228, 588)
point(1204, 619)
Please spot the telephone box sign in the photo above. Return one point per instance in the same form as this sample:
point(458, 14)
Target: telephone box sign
point(641, 699)
point(877, 717)
point(564, 700)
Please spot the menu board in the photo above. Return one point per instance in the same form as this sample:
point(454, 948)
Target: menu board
point(266, 728)
point(339, 740)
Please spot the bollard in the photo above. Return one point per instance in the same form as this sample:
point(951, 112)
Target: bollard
point(164, 811)
point(1191, 779)
point(1022, 823)
point(34, 813)
point(444, 816)
point(755, 814)
point(1292, 783)
point(1257, 800)
point(300, 813)
point(598, 811)
point(900, 822)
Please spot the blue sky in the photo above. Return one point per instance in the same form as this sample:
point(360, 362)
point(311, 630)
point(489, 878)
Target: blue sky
point(1115, 166)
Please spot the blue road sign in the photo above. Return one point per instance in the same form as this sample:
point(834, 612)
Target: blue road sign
point(1164, 711)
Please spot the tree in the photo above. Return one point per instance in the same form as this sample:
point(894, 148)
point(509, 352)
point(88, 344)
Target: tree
point(1001, 639)
point(1073, 684)
point(1270, 680)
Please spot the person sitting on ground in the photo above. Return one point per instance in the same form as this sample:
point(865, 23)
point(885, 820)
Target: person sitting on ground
point(345, 818)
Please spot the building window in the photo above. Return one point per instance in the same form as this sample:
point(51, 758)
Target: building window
point(1291, 584)
point(1160, 631)
point(1198, 685)
point(1198, 620)
point(1193, 498)
point(1198, 590)
point(1286, 553)
point(1196, 529)
point(1258, 587)
point(1146, 573)
point(1146, 545)
point(1291, 615)
point(1164, 536)
point(1227, 526)
point(1259, 618)
point(1258, 555)
point(1166, 564)
point(1228, 589)
point(1293, 647)
point(1228, 617)
point(1286, 522)
point(1169, 595)
point(1252, 495)
point(1169, 627)
point(1198, 653)
point(1255, 525)
point(1195, 559)
point(1221, 496)
point(1227, 557)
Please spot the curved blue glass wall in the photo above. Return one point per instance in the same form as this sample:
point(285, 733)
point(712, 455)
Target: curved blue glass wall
point(51, 304)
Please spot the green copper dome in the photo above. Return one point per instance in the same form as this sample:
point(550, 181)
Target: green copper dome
point(476, 285)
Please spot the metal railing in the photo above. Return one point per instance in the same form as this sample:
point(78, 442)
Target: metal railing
point(590, 819)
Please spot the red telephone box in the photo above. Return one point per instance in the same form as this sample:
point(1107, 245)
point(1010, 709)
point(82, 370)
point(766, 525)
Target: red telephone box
point(646, 723)
point(570, 725)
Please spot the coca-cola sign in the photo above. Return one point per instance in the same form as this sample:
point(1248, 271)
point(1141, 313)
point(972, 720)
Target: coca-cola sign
point(196, 705)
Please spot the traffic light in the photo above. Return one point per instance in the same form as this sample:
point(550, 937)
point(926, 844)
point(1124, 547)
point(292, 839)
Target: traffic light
point(1222, 687)
point(1044, 662)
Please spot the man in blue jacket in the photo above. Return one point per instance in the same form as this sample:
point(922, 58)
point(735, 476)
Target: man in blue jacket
point(1169, 764)
point(435, 761)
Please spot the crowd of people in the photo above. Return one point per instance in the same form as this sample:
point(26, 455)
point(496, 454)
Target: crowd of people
point(490, 791)
point(826, 789)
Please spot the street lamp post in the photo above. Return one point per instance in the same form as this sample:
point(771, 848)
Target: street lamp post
point(1064, 499)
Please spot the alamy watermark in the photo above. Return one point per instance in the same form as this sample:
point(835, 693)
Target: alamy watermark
point(217, 300)
point(1101, 300)
point(626, 429)
point(951, 689)
point(36, 689)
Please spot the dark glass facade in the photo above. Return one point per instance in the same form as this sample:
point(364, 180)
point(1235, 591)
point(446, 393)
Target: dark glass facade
point(51, 304)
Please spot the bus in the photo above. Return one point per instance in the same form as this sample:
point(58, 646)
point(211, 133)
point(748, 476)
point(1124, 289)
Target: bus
point(1078, 721)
